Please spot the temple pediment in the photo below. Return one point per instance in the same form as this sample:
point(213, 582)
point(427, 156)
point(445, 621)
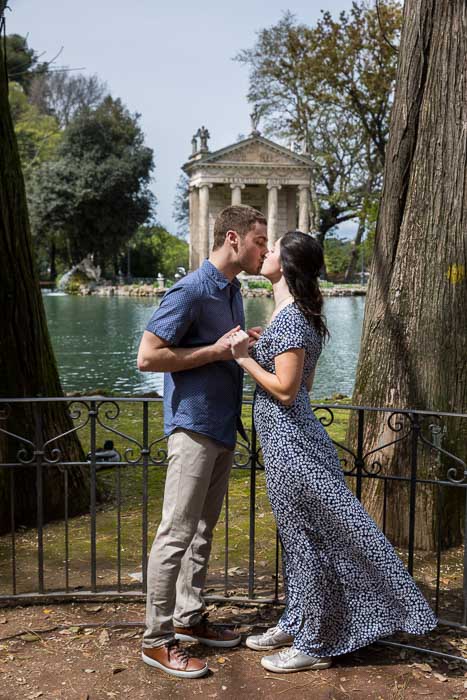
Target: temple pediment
point(255, 150)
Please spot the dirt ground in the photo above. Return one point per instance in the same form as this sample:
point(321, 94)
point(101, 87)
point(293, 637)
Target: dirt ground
point(91, 651)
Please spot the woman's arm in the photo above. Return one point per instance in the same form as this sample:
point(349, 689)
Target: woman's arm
point(285, 383)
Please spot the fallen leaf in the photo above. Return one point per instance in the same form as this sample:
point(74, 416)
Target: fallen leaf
point(118, 669)
point(423, 667)
point(89, 670)
point(104, 638)
point(221, 660)
point(47, 611)
point(127, 635)
point(439, 676)
point(29, 637)
point(35, 695)
point(93, 608)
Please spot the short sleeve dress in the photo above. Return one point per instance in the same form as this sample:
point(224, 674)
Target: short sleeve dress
point(346, 587)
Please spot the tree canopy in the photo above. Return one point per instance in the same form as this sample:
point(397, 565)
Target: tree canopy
point(330, 86)
point(154, 250)
point(96, 191)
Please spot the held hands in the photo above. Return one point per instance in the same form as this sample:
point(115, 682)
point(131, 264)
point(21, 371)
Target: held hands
point(253, 334)
point(239, 343)
point(222, 346)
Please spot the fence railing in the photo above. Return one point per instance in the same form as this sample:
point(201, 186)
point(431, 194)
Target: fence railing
point(81, 507)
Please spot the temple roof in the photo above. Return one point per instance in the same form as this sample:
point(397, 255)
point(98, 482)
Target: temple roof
point(254, 150)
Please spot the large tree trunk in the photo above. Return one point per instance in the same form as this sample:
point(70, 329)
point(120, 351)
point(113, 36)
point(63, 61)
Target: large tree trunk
point(27, 364)
point(414, 346)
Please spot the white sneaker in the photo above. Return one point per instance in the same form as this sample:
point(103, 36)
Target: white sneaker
point(273, 638)
point(291, 660)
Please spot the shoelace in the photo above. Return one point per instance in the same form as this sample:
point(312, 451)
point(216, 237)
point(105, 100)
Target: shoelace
point(177, 652)
point(287, 654)
point(273, 630)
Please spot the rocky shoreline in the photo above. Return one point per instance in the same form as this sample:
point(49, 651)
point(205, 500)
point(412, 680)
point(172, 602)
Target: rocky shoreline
point(147, 290)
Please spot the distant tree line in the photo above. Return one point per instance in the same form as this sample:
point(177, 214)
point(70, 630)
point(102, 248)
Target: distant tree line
point(87, 171)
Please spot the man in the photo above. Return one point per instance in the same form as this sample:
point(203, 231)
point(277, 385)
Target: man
point(187, 338)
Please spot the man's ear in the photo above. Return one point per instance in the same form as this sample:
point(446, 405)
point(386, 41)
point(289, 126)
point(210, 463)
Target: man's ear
point(232, 237)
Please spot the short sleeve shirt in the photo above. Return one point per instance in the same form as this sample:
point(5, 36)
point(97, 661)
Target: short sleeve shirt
point(196, 311)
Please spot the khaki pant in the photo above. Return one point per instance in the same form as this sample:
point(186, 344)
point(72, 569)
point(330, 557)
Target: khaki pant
point(196, 482)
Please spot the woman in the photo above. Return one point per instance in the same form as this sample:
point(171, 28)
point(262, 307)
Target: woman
point(345, 585)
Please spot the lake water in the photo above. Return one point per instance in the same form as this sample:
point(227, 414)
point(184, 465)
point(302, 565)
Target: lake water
point(96, 341)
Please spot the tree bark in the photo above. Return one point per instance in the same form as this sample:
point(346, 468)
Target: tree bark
point(27, 363)
point(414, 345)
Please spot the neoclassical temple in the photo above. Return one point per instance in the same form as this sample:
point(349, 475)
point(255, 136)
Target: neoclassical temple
point(254, 171)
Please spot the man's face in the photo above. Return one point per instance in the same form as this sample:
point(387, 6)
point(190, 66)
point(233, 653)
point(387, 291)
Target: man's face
point(252, 249)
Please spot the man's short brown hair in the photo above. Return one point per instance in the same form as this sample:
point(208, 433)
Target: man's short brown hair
point(239, 218)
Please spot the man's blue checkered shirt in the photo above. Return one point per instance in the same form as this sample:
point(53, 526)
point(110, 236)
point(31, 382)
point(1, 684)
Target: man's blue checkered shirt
point(197, 311)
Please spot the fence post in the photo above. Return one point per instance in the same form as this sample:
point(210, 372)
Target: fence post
point(38, 441)
point(251, 562)
point(359, 458)
point(413, 489)
point(145, 453)
point(93, 416)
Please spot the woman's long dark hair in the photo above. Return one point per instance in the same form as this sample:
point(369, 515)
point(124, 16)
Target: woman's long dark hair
point(301, 261)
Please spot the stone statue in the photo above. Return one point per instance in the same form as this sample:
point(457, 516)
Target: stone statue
point(194, 145)
point(203, 135)
point(255, 116)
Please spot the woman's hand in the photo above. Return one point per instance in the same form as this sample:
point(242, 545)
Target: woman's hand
point(239, 342)
point(254, 335)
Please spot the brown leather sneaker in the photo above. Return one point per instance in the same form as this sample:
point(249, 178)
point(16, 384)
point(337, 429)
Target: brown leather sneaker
point(207, 634)
point(174, 660)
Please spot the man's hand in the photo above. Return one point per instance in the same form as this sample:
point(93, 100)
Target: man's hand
point(239, 345)
point(253, 335)
point(222, 348)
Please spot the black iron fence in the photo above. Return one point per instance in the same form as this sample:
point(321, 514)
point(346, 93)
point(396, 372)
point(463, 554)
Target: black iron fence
point(93, 496)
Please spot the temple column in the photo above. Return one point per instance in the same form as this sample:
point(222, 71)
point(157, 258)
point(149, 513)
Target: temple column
point(194, 228)
point(291, 209)
point(237, 193)
point(272, 213)
point(203, 221)
point(304, 208)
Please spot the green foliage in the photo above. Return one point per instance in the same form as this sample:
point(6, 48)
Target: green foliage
point(154, 250)
point(259, 284)
point(329, 87)
point(96, 192)
point(37, 134)
point(21, 61)
point(336, 255)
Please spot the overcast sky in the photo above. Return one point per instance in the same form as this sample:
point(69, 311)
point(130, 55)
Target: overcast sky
point(169, 61)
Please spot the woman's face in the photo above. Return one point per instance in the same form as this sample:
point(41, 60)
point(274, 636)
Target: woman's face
point(271, 268)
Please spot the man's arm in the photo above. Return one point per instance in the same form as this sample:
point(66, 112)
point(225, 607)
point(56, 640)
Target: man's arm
point(156, 355)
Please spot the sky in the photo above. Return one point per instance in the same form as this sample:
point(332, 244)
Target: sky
point(169, 61)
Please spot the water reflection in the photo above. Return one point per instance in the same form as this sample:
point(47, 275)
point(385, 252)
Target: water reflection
point(96, 340)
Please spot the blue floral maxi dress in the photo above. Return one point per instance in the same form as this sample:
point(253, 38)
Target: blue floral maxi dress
point(345, 585)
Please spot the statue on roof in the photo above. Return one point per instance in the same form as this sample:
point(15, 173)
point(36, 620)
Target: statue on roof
point(194, 145)
point(255, 116)
point(203, 135)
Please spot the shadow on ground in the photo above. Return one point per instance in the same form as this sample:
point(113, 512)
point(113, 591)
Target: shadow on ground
point(92, 652)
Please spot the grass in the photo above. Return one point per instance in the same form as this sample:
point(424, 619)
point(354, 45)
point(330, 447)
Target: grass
point(126, 485)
